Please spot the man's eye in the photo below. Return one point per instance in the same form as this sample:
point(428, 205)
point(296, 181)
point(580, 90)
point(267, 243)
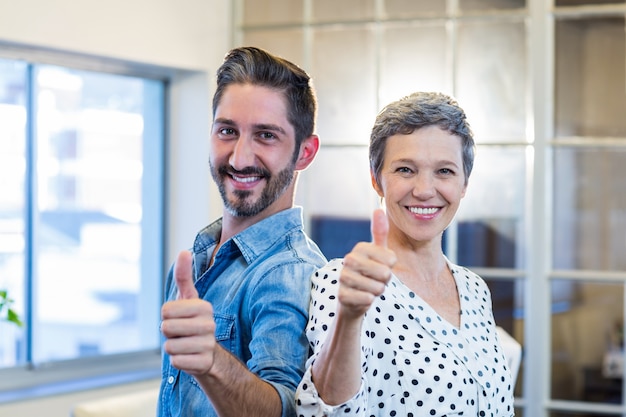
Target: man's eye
point(227, 131)
point(267, 135)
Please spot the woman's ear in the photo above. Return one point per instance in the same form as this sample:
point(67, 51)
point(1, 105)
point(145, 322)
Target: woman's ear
point(308, 150)
point(375, 185)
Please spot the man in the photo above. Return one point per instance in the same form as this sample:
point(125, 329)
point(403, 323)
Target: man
point(237, 304)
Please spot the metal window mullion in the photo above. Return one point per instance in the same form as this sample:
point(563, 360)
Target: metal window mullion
point(30, 209)
point(537, 320)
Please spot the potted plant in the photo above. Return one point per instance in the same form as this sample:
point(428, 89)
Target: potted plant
point(6, 312)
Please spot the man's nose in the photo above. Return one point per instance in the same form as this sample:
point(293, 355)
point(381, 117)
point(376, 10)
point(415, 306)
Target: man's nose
point(242, 154)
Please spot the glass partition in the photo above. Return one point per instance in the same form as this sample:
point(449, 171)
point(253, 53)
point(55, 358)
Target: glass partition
point(491, 79)
point(402, 73)
point(264, 12)
point(482, 5)
point(587, 341)
point(347, 103)
point(590, 63)
point(490, 221)
point(589, 209)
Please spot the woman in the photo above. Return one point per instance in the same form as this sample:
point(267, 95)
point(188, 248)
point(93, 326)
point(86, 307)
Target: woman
point(395, 327)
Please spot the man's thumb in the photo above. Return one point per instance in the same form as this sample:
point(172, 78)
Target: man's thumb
point(380, 227)
point(184, 277)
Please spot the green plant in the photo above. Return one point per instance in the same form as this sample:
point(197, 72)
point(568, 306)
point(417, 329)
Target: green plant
point(5, 305)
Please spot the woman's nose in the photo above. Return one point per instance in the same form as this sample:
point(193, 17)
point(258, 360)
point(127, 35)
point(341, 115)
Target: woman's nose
point(424, 186)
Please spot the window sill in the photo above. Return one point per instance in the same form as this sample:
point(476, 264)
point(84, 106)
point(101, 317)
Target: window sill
point(19, 384)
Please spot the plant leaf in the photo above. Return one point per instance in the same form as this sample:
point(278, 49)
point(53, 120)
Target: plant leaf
point(14, 318)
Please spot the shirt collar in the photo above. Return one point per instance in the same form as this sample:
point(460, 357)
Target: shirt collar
point(258, 238)
point(254, 240)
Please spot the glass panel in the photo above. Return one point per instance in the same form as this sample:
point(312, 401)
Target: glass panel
point(421, 70)
point(93, 133)
point(344, 74)
point(490, 221)
point(491, 79)
point(585, 2)
point(590, 77)
point(587, 338)
point(344, 10)
point(589, 217)
point(341, 175)
point(271, 12)
point(476, 5)
point(12, 205)
point(338, 198)
point(578, 414)
point(411, 8)
point(284, 43)
point(507, 298)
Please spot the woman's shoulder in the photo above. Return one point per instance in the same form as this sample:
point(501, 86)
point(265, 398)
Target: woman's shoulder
point(333, 266)
point(470, 281)
point(329, 273)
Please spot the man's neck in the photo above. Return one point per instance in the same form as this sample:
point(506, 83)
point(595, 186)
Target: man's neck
point(232, 225)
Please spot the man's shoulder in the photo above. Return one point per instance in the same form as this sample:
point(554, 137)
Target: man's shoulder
point(294, 247)
point(280, 237)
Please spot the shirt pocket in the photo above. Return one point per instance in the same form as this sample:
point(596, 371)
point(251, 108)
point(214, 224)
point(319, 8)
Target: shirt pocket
point(225, 331)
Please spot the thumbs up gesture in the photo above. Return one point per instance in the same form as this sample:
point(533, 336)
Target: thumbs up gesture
point(188, 324)
point(366, 270)
point(184, 277)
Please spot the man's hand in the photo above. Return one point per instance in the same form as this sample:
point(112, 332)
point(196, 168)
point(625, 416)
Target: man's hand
point(366, 270)
point(187, 323)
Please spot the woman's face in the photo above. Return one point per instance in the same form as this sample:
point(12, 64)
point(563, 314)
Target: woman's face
point(422, 181)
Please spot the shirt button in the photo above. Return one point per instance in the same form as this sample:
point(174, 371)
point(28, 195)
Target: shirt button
point(170, 380)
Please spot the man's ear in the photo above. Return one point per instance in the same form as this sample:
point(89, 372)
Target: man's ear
point(308, 150)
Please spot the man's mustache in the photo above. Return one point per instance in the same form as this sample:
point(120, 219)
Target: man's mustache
point(248, 171)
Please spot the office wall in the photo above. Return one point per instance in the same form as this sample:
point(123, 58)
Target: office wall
point(189, 38)
point(185, 34)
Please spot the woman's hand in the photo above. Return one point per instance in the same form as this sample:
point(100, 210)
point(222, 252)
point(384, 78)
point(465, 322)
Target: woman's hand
point(366, 270)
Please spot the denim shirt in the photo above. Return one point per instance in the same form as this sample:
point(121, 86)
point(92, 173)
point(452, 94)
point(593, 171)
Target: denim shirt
point(259, 286)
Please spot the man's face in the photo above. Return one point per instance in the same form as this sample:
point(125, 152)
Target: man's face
point(252, 151)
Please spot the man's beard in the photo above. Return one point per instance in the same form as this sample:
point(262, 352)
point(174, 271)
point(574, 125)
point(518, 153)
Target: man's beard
point(241, 205)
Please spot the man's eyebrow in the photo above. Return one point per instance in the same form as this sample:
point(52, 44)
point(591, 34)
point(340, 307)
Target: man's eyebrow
point(271, 127)
point(259, 126)
point(224, 121)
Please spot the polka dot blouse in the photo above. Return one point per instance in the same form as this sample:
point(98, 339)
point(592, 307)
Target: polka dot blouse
point(414, 363)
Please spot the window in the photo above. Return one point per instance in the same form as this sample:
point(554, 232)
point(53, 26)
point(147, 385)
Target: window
point(81, 214)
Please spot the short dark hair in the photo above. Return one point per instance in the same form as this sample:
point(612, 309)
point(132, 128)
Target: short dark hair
point(420, 109)
point(251, 65)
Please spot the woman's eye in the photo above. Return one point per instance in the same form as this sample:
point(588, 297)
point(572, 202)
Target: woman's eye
point(403, 170)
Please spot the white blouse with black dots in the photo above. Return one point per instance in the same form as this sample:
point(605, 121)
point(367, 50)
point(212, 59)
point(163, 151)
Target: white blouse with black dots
point(414, 362)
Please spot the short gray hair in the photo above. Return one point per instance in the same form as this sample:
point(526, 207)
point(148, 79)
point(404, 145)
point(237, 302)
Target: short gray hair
point(415, 111)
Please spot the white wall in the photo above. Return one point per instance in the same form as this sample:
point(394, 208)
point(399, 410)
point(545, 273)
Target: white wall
point(190, 37)
point(176, 33)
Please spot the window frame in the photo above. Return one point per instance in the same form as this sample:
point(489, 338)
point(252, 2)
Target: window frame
point(29, 381)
